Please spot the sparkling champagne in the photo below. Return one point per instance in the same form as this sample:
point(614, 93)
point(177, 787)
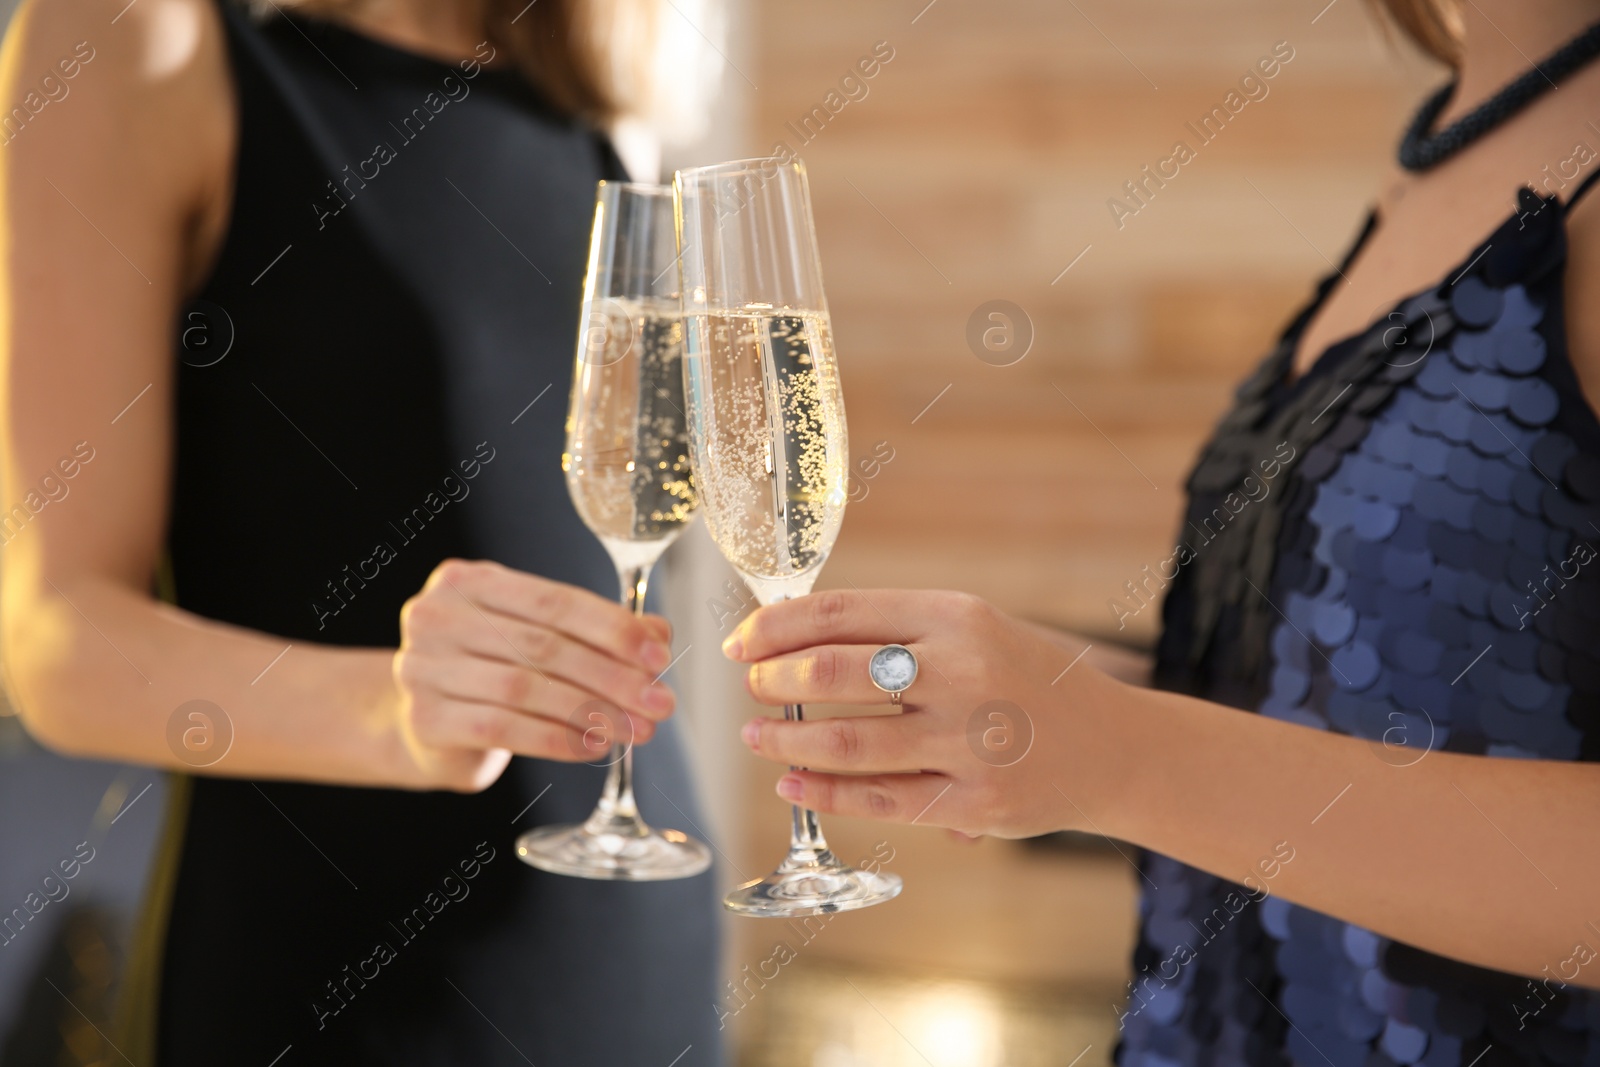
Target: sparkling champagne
point(768, 437)
point(627, 456)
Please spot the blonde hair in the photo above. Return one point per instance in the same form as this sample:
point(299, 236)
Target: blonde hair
point(1433, 25)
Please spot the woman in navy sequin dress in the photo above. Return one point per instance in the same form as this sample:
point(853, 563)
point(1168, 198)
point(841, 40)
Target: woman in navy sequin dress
point(1389, 561)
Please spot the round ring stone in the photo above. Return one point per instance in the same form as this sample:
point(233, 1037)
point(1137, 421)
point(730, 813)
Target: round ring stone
point(893, 668)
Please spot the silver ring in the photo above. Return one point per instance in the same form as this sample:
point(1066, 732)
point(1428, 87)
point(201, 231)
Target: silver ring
point(893, 668)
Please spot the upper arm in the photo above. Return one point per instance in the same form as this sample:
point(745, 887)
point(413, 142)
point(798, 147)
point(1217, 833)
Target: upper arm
point(115, 162)
point(1583, 294)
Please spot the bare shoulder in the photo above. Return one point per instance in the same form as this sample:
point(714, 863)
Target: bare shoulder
point(1583, 293)
point(139, 90)
point(116, 144)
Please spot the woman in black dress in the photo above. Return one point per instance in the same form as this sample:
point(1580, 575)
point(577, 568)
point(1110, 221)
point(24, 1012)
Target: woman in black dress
point(1389, 564)
point(290, 310)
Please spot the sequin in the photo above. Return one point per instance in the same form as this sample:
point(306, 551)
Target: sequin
point(1472, 593)
point(1405, 1044)
point(1527, 493)
point(1456, 420)
point(1275, 917)
point(1390, 485)
point(1493, 522)
point(1358, 1022)
point(1552, 451)
point(1489, 434)
point(1355, 665)
point(1417, 653)
point(1533, 402)
point(1360, 946)
point(1406, 570)
point(1463, 469)
point(1437, 379)
point(1520, 353)
point(1519, 312)
point(1428, 455)
point(1474, 303)
point(1410, 532)
point(1471, 351)
point(1528, 692)
point(1374, 989)
point(1491, 392)
point(1494, 480)
point(1290, 684)
point(1333, 622)
point(1374, 520)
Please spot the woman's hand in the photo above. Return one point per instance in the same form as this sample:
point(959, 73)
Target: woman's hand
point(494, 663)
point(995, 736)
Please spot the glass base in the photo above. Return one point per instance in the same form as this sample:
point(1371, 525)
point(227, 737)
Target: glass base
point(812, 883)
point(622, 852)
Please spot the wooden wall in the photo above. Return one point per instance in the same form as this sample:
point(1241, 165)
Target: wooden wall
point(978, 166)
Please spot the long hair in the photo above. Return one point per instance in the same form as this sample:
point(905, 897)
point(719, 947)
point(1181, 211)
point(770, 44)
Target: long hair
point(1433, 25)
point(596, 59)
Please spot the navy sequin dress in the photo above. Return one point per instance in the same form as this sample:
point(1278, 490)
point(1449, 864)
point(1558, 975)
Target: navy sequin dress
point(1398, 546)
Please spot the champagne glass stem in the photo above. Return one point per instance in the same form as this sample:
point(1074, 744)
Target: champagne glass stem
point(614, 842)
point(806, 834)
point(617, 797)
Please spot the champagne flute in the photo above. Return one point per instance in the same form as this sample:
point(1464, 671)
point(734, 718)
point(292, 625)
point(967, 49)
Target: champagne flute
point(767, 437)
point(628, 472)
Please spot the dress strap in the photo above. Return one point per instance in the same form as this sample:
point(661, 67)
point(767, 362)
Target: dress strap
point(1577, 193)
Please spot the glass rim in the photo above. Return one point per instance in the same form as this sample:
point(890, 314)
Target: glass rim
point(742, 166)
point(643, 188)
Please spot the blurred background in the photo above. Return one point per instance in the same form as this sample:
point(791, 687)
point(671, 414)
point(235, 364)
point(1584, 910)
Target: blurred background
point(1036, 458)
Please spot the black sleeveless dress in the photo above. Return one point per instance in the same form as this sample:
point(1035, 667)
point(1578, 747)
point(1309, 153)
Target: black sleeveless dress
point(1399, 546)
point(374, 379)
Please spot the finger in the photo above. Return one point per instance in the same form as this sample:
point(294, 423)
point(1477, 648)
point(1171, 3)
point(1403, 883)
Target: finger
point(600, 623)
point(888, 797)
point(662, 627)
point(465, 724)
point(518, 689)
point(512, 641)
point(837, 616)
point(868, 743)
point(831, 674)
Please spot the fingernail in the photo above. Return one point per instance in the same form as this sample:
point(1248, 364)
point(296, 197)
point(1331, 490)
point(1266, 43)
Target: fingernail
point(657, 697)
point(789, 788)
point(656, 655)
point(733, 647)
point(751, 733)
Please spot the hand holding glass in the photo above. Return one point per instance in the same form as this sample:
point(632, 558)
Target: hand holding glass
point(628, 471)
point(767, 437)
